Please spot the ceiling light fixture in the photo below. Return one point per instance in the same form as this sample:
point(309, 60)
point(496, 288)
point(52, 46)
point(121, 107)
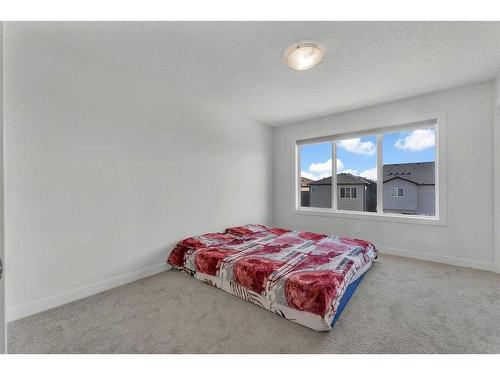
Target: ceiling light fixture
point(303, 56)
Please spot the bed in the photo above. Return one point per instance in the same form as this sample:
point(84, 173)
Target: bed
point(305, 277)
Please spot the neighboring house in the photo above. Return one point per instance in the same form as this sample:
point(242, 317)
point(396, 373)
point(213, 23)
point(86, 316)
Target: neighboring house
point(304, 183)
point(304, 191)
point(409, 188)
point(354, 193)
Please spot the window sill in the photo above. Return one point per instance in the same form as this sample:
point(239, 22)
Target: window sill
point(395, 218)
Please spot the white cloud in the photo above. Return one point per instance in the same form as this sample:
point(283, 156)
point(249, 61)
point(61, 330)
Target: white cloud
point(340, 165)
point(349, 170)
point(417, 140)
point(370, 174)
point(317, 171)
point(307, 175)
point(357, 147)
point(320, 168)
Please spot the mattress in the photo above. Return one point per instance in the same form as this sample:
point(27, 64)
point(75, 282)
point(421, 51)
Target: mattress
point(304, 277)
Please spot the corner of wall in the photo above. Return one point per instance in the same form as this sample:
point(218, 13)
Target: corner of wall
point(496, 174)
point(3, 330)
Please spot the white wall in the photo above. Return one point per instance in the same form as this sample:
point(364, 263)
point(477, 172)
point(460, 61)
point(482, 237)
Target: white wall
point(467, 239)
point(107, 169)
point(3, 339)
point(496, 164)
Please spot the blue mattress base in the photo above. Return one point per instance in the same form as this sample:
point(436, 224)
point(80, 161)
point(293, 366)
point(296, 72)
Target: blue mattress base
point(346, 297)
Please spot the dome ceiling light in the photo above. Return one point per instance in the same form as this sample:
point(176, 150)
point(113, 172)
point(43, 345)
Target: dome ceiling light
point(304, 56)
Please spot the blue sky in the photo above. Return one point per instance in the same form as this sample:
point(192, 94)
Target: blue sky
point(359, 155)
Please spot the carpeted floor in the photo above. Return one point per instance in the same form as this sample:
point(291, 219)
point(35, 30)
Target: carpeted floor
point(402, 306)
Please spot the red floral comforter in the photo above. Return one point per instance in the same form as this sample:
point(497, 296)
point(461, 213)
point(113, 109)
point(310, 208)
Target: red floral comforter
point(299, 275)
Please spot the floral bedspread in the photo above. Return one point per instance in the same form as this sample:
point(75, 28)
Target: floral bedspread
point(300, 276)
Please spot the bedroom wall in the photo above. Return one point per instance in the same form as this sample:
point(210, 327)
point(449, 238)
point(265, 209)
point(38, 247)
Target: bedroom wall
point(467, 238)
point(496, 165)
point(107, 169)
point(3, 338)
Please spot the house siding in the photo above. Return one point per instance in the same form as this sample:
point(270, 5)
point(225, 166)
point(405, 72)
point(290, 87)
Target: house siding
point(426, 200)
point(417, 199)
point(405, 204)
point(305, 198)
point(356, 204)
point(321, 196)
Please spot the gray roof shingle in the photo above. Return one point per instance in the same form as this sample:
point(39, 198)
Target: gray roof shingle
point(418, 173)
point(344, 179)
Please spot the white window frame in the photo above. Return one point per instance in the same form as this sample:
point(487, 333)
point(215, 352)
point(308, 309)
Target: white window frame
point(348, 196)
point(397, 192)
point(350, 192)
point(438, 122)
point(342, 197)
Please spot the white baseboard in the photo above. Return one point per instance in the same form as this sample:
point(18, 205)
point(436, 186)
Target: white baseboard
point(454, 261)
point(18, 312)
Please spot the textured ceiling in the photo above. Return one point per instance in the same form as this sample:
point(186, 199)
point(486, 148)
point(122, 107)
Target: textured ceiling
point(239, 64)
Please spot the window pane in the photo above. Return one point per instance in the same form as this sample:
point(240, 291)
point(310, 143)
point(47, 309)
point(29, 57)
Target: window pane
point(409, 172)
point(348, 193)
point(357, 172)
point(316, 175)
point(342, 192)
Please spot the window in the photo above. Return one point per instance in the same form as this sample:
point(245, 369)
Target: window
point(397, 192)
point(357, 165)
point(409, 172)
point(348, 193)
point(391, 171)
point(316, 174)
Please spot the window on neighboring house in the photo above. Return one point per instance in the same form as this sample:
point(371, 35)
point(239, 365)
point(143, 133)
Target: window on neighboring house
point(397, 192)
point(385, 163)
point(348, 192)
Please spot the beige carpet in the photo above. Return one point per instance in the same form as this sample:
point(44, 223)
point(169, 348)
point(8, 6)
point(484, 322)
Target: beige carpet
point(402, 306)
